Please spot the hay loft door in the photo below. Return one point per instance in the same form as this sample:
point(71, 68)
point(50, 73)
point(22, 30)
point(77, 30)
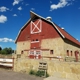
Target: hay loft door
point(36, 26)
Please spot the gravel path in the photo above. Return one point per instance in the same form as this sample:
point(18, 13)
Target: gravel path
point(10, 75)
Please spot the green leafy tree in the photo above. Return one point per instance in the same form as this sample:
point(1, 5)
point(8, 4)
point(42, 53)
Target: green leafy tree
point(3, 52)
point(6, 51)
point(0, 48)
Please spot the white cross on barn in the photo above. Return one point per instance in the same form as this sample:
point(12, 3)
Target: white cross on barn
point(36, 28)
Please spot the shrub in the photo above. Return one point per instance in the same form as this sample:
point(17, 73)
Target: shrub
point(32, 72)
point(40, 73)
point(47, 75)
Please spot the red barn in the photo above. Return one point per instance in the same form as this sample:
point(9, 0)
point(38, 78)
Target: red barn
point(42, 38)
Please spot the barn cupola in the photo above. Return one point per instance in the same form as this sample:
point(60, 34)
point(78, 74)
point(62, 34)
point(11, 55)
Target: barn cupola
point(49, 18)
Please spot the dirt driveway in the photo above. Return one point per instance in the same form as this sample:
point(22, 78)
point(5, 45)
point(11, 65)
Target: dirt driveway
point(10, 75)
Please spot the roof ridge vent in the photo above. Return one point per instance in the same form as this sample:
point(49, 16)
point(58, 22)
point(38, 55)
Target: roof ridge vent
point(49, 18)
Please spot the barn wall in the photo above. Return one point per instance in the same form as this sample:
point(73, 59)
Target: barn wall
point(24, 45)
point(71, 47)
point(55, 68)
point(57, 45)
point(48, 31)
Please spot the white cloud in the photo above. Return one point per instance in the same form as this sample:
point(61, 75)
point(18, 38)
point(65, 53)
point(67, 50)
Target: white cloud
point(3, 19)
point(16, 2)
point(32, 8)
point(6, 40)
point(61, 4)
point(20, 8)
point(14, 14)
point(3, 9)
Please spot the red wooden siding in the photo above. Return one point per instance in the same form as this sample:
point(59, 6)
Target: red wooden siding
point(48, 31)
point(25, 34)
point(35, 45)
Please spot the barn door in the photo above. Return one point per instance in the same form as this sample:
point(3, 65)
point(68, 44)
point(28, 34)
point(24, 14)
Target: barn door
point(38, 55)
point(35, 54)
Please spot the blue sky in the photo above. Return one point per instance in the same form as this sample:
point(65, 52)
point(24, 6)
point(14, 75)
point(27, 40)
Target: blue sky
point(15, 13)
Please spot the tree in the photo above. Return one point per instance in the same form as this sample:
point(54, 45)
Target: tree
point(6, 51)
point(0, 48)
point(3, 52)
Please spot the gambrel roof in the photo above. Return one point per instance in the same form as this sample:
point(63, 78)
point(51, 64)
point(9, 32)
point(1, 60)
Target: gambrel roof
point(61, 31)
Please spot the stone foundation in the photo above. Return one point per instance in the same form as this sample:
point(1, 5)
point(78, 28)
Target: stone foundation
point(69, 70)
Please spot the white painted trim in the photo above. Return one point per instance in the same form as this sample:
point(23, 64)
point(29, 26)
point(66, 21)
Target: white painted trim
point(35, 52)
point(5, 64)
point(6, 60)
point(35, 41)
point(35, 32)
point(36, 26)
point(58, 30)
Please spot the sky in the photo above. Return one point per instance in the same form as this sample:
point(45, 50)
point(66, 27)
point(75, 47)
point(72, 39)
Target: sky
point(15, 13)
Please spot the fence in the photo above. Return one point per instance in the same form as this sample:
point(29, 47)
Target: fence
point(8, 63)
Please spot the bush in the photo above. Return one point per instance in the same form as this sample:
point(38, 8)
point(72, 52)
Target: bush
point(32, 72)
point(47, 75)
point(39, 73)
point(42, 74)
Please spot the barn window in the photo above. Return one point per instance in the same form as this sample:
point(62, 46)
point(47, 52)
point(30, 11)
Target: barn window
point(71, 53)
point(67, 52)
point(51, 51)
point(36, 39)
point(21, 52)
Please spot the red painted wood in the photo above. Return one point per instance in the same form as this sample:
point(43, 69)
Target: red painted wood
point(25, 34)
point(48, 31)
point(35, 45)
point(31, 56)
point(35, 56)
